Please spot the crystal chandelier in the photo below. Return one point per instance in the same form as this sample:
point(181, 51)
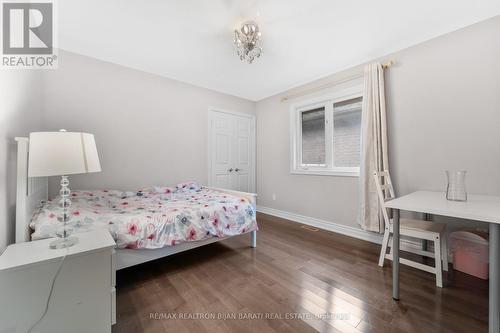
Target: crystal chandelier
point(246, 41)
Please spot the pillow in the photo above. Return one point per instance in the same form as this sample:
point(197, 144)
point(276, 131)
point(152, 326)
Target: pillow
point(188, 186)
point(163, 189)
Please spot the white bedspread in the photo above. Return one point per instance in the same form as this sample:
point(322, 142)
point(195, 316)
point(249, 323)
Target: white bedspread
point(152, 218)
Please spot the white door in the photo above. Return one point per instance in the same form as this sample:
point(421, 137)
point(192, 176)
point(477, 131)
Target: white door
point(232, 151)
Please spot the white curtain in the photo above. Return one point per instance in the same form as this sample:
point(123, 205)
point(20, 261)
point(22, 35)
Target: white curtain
point(373, 146)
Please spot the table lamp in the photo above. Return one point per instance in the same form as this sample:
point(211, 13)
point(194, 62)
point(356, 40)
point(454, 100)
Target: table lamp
point(61, 154)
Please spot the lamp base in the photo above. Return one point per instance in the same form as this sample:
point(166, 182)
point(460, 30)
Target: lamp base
point(63, 243)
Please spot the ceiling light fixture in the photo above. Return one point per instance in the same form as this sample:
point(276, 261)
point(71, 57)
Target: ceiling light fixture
point(247, 42)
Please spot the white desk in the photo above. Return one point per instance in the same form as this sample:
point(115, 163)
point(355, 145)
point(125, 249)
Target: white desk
point(477, 207)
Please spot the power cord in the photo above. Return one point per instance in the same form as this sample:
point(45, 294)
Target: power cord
point(50, 293)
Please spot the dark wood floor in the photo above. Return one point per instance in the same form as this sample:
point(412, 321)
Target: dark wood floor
point(325, 281)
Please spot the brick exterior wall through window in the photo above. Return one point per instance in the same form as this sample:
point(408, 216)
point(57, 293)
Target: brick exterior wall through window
point(313, 137)
point(346, 139)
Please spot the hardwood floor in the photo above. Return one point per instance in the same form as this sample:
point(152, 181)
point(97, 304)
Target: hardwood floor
point(296, 280)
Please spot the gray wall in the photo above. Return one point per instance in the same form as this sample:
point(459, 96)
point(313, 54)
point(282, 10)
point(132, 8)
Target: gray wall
point(20, 113)
point(444, 113)
point(149, 129)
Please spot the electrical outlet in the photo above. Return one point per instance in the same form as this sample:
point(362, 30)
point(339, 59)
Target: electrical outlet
point(274, 196)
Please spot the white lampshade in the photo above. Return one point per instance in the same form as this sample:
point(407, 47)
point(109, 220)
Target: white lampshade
point(62, 153)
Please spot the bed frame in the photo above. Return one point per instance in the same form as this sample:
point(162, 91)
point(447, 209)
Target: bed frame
point(31, 191)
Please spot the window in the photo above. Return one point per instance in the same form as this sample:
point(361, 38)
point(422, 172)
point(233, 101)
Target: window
point(347, 132)
point(313, 137)
point(326, 135)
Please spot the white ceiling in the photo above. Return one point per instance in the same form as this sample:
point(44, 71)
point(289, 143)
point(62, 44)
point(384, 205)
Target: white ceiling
point(303, 40)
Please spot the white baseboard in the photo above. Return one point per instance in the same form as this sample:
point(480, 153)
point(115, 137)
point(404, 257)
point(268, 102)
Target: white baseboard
point(406, 244)
point(322, 224)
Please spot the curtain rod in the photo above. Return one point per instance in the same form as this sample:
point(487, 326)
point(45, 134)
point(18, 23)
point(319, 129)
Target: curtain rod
point(334, 83)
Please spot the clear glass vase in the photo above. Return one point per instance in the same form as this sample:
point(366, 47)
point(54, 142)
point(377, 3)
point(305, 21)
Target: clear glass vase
point(455, 191)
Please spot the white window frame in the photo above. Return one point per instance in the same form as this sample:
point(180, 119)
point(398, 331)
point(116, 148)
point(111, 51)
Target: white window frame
point(326, 101)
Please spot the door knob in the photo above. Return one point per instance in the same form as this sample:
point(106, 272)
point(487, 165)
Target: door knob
point(237, 170)
point(230, 170)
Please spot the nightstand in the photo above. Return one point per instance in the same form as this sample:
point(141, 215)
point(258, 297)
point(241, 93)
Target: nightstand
point(83, 297)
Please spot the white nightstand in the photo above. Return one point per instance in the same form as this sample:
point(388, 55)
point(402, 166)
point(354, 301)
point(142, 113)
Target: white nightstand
point(83, 299)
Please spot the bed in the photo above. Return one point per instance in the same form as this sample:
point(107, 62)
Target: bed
point(146, 224)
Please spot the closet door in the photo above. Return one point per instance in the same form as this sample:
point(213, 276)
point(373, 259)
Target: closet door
point(243, 159)
point(232, 151)
point(221, 150)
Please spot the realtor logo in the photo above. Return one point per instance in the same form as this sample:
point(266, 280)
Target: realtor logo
point(28, 35)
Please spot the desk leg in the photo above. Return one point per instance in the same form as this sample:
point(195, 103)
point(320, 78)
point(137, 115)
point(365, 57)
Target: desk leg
point(425, 244)
point(494, 306)
point(395, 255)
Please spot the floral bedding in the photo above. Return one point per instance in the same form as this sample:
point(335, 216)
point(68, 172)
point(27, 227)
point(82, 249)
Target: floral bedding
point(152, 218)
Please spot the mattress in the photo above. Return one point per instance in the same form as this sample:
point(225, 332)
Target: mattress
point(151, 218)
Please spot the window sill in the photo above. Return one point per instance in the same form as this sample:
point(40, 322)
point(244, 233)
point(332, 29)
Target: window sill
point(336, 173)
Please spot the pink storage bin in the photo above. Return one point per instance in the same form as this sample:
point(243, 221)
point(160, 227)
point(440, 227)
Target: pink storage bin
point(470, 252)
